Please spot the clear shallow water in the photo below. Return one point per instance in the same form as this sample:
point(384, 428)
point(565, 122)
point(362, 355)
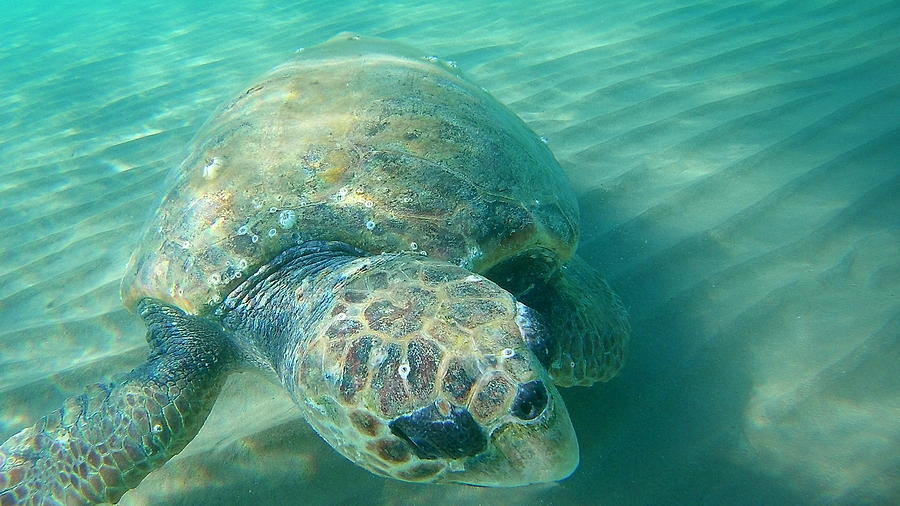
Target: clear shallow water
point(737, 168)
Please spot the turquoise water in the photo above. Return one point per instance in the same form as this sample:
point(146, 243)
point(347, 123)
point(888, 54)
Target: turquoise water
point(737, 170)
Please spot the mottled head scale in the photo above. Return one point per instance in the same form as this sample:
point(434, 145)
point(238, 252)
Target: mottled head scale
point(393, 245)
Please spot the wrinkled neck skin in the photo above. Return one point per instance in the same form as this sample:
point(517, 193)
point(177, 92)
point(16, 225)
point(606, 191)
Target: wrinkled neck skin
point(271, 313)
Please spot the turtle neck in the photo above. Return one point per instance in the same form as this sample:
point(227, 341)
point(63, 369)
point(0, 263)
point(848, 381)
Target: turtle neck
point(269, 313)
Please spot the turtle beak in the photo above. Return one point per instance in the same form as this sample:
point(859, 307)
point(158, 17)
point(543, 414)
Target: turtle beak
point(539, 447)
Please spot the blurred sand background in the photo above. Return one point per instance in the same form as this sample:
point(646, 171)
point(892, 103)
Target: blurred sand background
point(738, 170)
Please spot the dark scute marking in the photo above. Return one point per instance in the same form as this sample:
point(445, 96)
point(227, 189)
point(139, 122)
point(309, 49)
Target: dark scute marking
point(343, 329)
point(377, 281)
point(437, 274)
point(388, 385)
point(490, 397)
point(405, 327)
point(424, 357)
point(356, 367)
point(530, 401)
point(473, 312)
point(364, 422)
point(14, 476)
point(390, 450)
point(474, 289)
point(420, 472)
point(352, 295)
point(381, 314)
point(420, 298)
point(432, 435)
point(399, 320)
point(457, 381)
point(307, 372)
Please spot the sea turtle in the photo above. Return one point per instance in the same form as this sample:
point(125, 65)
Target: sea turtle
point(389, 243)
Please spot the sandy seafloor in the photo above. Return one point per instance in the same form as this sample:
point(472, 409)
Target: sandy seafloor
point(738, 169)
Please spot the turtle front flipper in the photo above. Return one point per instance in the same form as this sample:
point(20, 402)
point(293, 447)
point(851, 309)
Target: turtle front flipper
point(104, 442)
point(587, 330)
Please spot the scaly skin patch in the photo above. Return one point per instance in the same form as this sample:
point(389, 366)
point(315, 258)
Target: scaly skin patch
point(104, 442)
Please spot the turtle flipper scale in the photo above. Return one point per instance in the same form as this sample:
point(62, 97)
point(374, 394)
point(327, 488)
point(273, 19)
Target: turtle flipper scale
point(104, 442)
point(588, 329)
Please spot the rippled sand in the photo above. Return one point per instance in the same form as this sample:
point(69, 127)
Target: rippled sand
point(737, 167)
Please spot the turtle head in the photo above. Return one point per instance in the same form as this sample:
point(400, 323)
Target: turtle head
point(422, 371)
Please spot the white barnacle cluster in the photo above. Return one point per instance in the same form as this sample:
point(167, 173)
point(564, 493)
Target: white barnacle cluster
point(211, 167)
point(379, 357)
point(176, 290)
point(287, 218)
point(414, 248)
point(468, 261)
point(475, 252)
point(229, 274)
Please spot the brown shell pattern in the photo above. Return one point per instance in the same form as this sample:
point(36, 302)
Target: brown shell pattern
point(359, 141)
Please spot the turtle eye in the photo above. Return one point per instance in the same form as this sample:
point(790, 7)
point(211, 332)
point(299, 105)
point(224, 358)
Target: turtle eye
point(531, 399)
point(535, 333)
